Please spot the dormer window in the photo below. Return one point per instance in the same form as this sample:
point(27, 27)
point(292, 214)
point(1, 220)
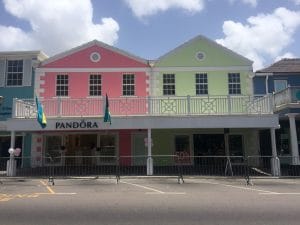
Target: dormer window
point(14, 73)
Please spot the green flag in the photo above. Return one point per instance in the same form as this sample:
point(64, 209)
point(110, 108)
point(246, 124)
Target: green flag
point(107, 117)
point(41, 118)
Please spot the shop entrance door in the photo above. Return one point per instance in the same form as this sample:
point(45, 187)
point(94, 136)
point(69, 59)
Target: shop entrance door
point(208, 145)
point(139, 150)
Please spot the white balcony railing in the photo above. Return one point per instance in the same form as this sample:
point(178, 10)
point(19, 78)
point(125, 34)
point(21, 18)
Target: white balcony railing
point(151, 106)
point(290, 95)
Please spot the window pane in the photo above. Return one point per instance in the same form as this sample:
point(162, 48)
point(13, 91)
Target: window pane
point(280, 85)
point(201, 83)
point(95, 85)
point(62, 88)
point(168, 84)
point(14, 73)
point(128, 85)
point(234, 86)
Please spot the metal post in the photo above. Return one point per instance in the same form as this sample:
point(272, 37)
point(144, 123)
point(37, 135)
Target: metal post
point(149, 158)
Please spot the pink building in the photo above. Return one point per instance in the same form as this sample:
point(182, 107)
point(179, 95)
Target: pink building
point(72, 87)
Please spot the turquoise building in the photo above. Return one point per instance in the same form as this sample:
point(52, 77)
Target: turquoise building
point(17, 74)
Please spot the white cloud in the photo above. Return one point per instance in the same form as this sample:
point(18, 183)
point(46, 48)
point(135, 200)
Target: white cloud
point(287, 55)
point(264, 36)
point(55, 25)
point(253, 3)
point(143, 8)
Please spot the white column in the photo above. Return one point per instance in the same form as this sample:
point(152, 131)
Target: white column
point(12, 139)
point(275, 162)
point(11, 163)
point(293, 136)
point(149, 158)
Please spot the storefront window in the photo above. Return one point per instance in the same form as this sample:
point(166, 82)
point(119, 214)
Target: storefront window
point(182, 149)
point(236, 145)
point(236, 148)
point(53, 151)
point(107, 151)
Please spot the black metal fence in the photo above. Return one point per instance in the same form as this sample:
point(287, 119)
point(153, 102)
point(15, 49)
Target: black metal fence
point(163, 165)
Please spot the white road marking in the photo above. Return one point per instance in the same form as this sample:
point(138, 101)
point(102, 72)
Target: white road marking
point(71, 193)
point(154, 191)
point(166, 193)
point(280, 193)
point(238, 187)
point(141, 186)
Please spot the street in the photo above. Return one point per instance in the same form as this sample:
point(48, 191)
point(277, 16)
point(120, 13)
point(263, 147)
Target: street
point(150, 201)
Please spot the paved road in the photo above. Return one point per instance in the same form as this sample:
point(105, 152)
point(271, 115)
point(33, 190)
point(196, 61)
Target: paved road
point(150, 201)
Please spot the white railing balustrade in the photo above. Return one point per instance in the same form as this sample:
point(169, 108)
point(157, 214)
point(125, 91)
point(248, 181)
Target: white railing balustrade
point(290, 95)
point(151, 106)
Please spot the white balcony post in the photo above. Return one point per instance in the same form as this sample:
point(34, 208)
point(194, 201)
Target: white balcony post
point(289, 95)
point(294, 140)
point(14, 107)
point(149, 158)
point(149, 105)
point(275, 162)
point(188, 104)
point(229, 104)
point(59, 106)
point(271, 101)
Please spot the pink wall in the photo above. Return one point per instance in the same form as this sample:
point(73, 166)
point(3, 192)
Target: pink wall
point(109, 58)
point(125, 146)
point(79, 84)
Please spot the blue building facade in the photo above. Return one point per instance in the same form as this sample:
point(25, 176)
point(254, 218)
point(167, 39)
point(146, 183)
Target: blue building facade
point(17, 74)
point(282, 79)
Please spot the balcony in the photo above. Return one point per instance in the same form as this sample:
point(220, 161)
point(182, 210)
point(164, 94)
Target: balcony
point(287, 98)
point(149, 106)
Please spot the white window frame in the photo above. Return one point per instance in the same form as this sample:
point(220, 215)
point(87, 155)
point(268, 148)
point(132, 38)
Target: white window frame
point(234, 86)
point(14, 73)
point(169, 84)
point(95, 85)
point(62, 85)
point(128, 84)
point(201, 81)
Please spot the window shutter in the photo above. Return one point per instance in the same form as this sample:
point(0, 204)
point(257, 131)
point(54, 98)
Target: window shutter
point(27, 72)
point(2, 73)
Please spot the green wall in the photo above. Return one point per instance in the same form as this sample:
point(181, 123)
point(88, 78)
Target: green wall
point(217, 83)
point(163, 141)
point(218, 61)
point(215, 55)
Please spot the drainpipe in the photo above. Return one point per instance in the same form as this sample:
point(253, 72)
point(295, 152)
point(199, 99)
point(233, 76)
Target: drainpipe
point(267, 84)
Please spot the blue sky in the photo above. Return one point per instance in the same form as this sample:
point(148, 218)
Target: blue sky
point(262, 30)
